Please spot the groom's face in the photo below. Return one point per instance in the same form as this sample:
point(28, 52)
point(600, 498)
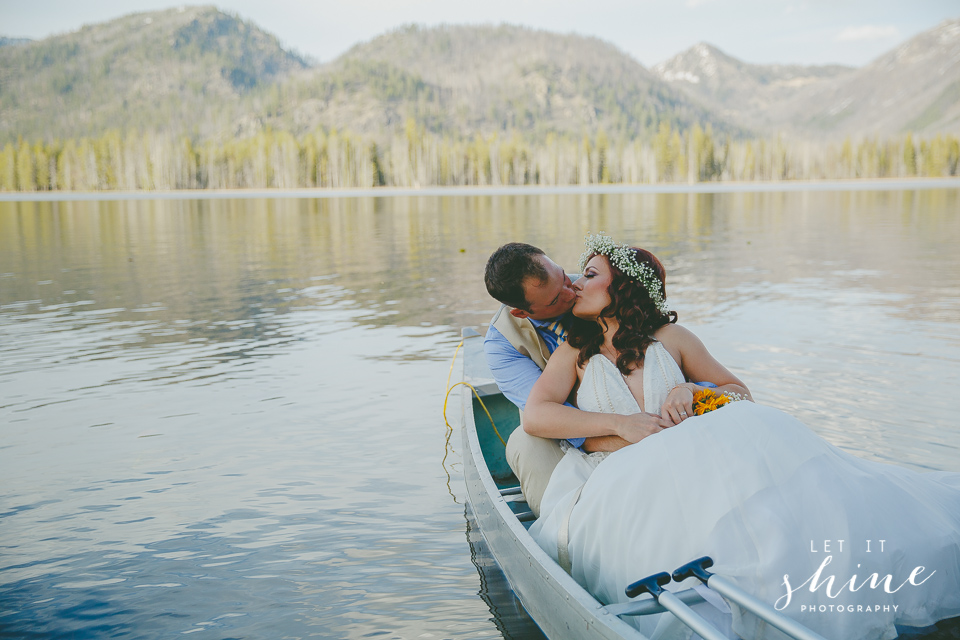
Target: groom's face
point(551, 298)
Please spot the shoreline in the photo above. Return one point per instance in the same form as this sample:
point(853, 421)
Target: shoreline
point(869, 184)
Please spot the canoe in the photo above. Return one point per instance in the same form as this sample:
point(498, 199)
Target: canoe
point(555, 601)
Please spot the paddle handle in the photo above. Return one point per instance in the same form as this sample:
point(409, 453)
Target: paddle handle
point(761, 609)
point(689, 617)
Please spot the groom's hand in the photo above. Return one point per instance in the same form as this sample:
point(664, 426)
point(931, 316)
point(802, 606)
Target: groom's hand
point(637, 426)
point(604, 443)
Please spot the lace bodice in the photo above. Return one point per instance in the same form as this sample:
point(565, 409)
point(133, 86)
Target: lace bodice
point(603, 388)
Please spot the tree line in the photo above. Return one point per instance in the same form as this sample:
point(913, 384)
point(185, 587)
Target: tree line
point(416, 157)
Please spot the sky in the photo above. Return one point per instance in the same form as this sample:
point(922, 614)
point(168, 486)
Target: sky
point(850, 32)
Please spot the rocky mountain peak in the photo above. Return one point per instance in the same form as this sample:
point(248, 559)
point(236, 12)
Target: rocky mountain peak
point(940, 43)
point(698, 63)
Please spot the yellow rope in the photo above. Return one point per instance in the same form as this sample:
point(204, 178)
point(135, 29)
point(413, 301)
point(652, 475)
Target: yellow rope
point(467, 384)
point(455, 352)
point(489, 417)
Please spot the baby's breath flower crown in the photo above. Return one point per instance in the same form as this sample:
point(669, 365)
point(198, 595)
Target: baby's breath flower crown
point(625, 259)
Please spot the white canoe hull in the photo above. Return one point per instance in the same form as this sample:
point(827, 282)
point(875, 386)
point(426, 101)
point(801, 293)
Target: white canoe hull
point(560, 606)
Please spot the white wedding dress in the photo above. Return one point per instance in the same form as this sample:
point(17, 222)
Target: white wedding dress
point(766, 498)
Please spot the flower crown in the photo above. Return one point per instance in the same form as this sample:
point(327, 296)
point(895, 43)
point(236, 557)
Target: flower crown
point(626, 260)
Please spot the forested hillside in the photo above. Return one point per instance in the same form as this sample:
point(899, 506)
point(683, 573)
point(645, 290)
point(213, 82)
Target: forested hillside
point(196, 98)
point(185, 71)
point(486, 79)
point(203, 73)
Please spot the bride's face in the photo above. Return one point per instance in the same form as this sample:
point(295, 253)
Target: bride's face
point(592, 289)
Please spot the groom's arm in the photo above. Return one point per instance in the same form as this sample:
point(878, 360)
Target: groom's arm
point(515, 373)
point(548, 416)
point(603, 443)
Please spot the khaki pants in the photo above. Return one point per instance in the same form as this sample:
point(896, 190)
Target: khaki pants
point(532, 460)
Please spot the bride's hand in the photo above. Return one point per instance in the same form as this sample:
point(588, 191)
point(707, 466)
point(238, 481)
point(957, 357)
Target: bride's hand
point(679, 404)
point(635, 427)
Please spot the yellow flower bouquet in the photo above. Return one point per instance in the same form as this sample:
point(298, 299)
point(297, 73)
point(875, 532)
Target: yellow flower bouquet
point(706, 400)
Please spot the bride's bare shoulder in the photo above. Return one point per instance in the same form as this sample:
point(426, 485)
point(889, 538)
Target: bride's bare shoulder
point(676, 336)
point(569, 356)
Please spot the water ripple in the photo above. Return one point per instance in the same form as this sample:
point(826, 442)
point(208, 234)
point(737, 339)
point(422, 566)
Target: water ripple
point(243, 439)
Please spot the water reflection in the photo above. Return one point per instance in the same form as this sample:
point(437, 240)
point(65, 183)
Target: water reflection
point(224, 416)
point(240, 262)
point(508, 613)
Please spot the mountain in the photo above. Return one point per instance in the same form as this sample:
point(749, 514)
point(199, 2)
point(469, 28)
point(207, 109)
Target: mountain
point(208, 75)
point(913, 88)
point(739, 90)
point(180, 70)
point(484, 79)
point(203, 73)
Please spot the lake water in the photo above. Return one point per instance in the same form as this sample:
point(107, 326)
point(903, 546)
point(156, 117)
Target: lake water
point(223, 417)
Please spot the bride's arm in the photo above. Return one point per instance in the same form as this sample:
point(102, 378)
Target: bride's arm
point(697, 364)
point(546, 415)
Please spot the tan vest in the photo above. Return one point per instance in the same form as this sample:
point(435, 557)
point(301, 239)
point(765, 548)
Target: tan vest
point(521, 333)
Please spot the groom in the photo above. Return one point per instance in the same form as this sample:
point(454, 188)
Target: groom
point(536, 297)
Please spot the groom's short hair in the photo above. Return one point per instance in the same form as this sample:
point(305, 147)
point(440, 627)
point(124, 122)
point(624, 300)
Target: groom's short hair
point(506, 270)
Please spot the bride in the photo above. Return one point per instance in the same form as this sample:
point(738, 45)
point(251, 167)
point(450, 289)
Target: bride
point(848, 547)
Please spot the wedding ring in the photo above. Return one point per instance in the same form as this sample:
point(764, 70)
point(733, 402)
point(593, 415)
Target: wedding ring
point(683, 413)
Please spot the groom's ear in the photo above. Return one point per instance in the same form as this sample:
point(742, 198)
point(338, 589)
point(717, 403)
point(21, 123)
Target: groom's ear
point(519, 313)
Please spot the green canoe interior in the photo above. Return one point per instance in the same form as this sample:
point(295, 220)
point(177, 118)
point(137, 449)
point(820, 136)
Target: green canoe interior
point(507, 418)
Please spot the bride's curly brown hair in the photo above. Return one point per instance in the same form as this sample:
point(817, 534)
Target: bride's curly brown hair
point(638, 315)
